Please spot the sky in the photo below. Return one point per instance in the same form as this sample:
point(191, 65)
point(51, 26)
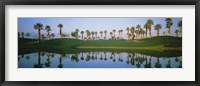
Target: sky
point(93, 24)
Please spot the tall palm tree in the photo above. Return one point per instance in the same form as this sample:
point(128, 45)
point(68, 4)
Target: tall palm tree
point(132, 32)
point(105, 32)
point(60, 26)
point(145, 26)
point(95, 34)
point(138, 31)
point(158, 27)
point(149, 25)
point(142, 32)
point(92, 35)
point(82, 32)
point(101, 32)
point(88, 34)
point(176, 31)
point(169, 23)
point(76, 33)
point(114, 32)
point(22, 34)
point(111, 33)
point(180, 26)
point(52, 35)
point(121, 33)
point(128, 30)
point(48, 29)
point(38, 27)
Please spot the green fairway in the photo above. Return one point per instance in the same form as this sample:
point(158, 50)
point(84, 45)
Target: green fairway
point(158, 46)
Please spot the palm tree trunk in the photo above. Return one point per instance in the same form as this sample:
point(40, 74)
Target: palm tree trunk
point(150, 32)
point(169, 31)
point(60, 33)
point(146, 32)
point(48, 35)
point(82, 36)
point(38, 35)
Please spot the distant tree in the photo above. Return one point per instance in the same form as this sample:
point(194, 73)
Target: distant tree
point(138, 31)
point(132, 32)
point(38, 27)
point(145, 26)
point(22, 34)
point(82, 32)
point(95, 34)
point(157, 28)
point(60, 26)
point(111, 33)
point(88, 34)
point(43, 37)
point(48, 29)
point(76, 33)
point(105, 32)
point(27, 34)
point(92, 35)
point(176, 31)
point(101, 32)
point(52, 35)
point(114, 32)
point(19, 34)
point(128, 30)
point(180, 26)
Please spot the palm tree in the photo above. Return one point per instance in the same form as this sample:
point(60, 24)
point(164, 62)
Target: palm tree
point(92, 34)
point(38, 27)
point(95, 34)
point(163, 33)
point(132, 32)
point(60, 26)
point(101, 32)
point(111, 33)
point(145, 26)
point(88, 34)
point(52, 35)
point(82, 32)
point(48, 29)
point(22, 34)
point(128, 32)
point(19, 35)
point(27, 34)
point(114, 32)
point(169, 23)
point(105, 32)
point(121, 33)
point(138, 31)
point(142, 32)
point(176, 31)
point(149, 25)
point(180, 26)
point(76, 33)
point(158, 27)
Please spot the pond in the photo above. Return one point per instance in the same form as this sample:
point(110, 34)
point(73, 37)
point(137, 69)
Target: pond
point(96, 60)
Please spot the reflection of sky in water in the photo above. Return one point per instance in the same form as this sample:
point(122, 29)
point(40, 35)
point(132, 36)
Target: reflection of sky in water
point(97, 60)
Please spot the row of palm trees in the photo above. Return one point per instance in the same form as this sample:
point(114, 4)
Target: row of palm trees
point(132, 58)
point(132, 32)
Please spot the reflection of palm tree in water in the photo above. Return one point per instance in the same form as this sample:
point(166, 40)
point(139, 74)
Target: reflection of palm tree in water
point(105, 58)
point(148, 64)
point(132, 58)
point(114, 59)
point(138, 58)
point(60, 60)
point(88, 56)
point(47, 64)
point(168, 63)
point(101, 58)
point(120, 57)
point(75, 58)
point(128, 56)
point(82, 58)
point(96, 56)
point(92, 55)
point(38, 65)
point(157, 64)
point(111, 56)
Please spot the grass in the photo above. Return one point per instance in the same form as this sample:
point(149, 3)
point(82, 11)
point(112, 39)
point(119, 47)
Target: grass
point(154, 45)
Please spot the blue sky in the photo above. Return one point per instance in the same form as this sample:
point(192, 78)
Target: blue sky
point(92, 24)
